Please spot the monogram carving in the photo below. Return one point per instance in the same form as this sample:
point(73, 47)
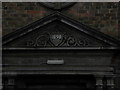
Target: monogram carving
point(57, 39)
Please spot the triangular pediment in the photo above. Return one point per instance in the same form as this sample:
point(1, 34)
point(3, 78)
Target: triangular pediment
point(57, 30)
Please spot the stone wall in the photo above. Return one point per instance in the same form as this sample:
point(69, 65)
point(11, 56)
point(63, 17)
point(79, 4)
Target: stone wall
point(102, 16)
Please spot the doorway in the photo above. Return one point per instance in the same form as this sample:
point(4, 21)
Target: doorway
point(56, 82)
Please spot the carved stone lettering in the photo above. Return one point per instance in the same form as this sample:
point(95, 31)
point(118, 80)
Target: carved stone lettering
point(56, 38)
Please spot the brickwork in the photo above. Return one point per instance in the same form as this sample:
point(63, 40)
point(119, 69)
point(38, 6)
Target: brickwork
point(119, 20)
point(102, 16)
point(17, 15)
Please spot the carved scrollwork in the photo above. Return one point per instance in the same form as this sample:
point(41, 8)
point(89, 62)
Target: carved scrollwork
point(71, 41)
point(30, 43)
point(57, 39)
point(82, 42)
point(57, 5)
point(42, 40)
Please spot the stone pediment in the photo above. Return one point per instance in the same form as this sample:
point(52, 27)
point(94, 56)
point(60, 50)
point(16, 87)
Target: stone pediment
point(56, 31)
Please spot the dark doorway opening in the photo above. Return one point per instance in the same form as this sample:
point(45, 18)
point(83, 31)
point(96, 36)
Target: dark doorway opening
point(55, 82)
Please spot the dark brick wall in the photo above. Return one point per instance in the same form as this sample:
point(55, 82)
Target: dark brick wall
point(102, 16)
point(119, 20)
point(18, 14)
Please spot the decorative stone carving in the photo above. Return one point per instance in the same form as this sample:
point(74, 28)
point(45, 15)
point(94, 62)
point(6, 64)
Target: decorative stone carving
point(42, 40)
point(57, 5)
point(56, 39)
point(9, 84)
point(71, 41)
point(82, 42)
point(110, 82)
point(99, 82)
